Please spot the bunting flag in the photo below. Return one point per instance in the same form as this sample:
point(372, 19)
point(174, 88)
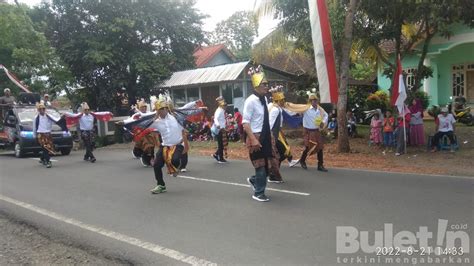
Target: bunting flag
point(72, 119)
point(14, 79)
point(323, 51)
point(399, 93)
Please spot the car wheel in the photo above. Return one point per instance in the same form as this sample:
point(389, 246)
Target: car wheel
point(65, 151)
point(19, 153)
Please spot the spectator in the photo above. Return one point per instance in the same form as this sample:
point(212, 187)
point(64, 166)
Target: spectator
point(351, 124)
point(403, 128)
point(46, 100)
point(376, 129)
point(417, 133)
point(8, 97)
point(444, 127)
point(238, 119)
point(388, 125)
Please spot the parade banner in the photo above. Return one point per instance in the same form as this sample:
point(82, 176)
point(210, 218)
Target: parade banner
point(14, 79)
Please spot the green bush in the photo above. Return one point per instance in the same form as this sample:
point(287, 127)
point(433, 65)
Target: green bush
point(378, 100)
point(423, 96)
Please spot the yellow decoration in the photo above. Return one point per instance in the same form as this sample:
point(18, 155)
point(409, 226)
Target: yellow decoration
point(278, 96)
point(318, 121)
point(161, 104)
point(257, 79)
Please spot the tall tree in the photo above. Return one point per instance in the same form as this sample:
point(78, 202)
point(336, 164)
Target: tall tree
point(237, 32)
point(115, 44)
point(27, 53)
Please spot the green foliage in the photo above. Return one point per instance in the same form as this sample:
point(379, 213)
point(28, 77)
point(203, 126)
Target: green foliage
point(237, 33)
point(109, 45)
point(357, 99)
point(362, 70)
point(378, 100)
point(421, 95)
point(26, 52)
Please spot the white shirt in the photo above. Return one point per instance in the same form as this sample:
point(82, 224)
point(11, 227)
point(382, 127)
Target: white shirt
point(45, 124)
point(86, 122)
point(309, 118)
point(219, 117)
point(273, 111)
point(170, 130)
point(446, 122)
point(253, 113)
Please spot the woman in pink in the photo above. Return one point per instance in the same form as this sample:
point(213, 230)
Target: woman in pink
point(417, 133)
point(376, 129)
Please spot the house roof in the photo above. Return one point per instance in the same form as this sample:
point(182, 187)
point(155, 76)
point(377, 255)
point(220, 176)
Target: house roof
point(220, 73)
point(204, 54)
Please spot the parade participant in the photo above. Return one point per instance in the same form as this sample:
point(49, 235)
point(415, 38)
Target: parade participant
point(174, 144)
point(220, 124)
point(260, 142)
point(145, 147)
point(46, 100)
point(86, 120)
point(42, 126)
point(314, 120)
point(7, 98)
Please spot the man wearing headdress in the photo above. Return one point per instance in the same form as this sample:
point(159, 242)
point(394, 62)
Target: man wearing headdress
point(86, 120)
point(220, 124)
point(145, 147)
point(174, 144)
point(42, 127)
point(260, 142)
point(315, 119)
point(7, 98)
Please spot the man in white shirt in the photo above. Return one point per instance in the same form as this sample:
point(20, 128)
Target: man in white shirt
point(314, 120)
point(42, 130)
point(86, 129)
point(260, 142)
point(174, 144)
point(444, 127)
point(220, 124)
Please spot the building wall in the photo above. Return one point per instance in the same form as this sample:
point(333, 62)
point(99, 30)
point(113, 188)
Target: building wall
point(219, 59)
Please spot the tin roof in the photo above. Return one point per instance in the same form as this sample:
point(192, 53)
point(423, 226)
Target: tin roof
point(227, 72)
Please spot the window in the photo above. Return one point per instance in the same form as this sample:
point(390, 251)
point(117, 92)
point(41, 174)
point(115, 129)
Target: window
point(227, 91)
point(192, 94)
point(238, 91)
point(458, 83)
point(179, 97)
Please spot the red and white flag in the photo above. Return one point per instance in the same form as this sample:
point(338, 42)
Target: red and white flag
point(399, 92)
point(323, 50)
point(14, 79)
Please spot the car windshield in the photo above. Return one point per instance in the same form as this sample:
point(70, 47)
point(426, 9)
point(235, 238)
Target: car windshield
point(27, 115)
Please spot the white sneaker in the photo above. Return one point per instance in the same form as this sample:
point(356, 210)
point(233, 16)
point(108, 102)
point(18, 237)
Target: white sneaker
point(293, 163)
point(183, 170)
point(398, 154)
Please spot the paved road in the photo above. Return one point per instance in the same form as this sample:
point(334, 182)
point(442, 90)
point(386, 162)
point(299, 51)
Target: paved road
point(208, 215)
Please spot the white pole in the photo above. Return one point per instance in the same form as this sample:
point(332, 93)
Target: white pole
point(404, 132)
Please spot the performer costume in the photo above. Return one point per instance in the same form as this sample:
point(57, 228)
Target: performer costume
point(265, 160)
point(86, 121)
point(42, 127)
point(220, 126)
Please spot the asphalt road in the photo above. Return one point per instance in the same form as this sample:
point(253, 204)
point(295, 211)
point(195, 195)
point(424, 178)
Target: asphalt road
point(208, 216)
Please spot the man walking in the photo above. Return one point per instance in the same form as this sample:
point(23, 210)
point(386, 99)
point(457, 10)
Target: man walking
point(220, 124)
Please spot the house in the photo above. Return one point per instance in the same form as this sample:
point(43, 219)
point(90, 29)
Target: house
point(217, 74)
point(452, 62)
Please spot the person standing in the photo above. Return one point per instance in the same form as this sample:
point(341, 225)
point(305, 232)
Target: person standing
point(417, 133)
point(388, 124)
point(403, 129)
point(238, 120)
point(174, 144)
point(7, 98)
point(315, 119)
point(46, 100)
point(86, 129)
point(220, 124)
point(42, 126)
point(376, 129)
point(260, 142)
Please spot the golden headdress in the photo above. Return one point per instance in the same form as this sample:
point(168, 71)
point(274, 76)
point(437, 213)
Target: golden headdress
point(277, 93)
point(312, 95)
point(257, 76)
point(221, 101)
point(40, 105)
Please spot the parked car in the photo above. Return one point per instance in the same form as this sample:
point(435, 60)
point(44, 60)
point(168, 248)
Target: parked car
point(16, 131)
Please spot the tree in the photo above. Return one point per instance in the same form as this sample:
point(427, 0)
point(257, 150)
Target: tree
point(110, 45)
point(27, 53)
point(237, 33)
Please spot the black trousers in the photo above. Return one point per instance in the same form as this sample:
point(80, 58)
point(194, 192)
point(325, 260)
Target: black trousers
point(439, 135)
point(160, 162)
point(45, 157)
point(319, 154)
point(87, 138)
point(184, 160)
point(220, 146)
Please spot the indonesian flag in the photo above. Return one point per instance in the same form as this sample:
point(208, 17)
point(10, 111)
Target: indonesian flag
point(399, 92)
point(14, 79)
point(323, 51)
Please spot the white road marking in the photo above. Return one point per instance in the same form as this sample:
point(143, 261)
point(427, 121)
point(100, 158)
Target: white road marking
point(170, 253)
point(242, 185)
point(37, 159)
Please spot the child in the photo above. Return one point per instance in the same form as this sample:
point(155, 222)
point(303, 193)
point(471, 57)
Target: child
point(376, 129)
point(388, 124)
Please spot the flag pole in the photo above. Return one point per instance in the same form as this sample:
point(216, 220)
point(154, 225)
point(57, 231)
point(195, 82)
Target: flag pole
point(404, 132)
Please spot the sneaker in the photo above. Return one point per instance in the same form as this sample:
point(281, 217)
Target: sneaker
point(322, 168)
point(303, 165)
point(215, 157)
point(49, 164)
point(222, 161)
point(41, 162)
point(144, 163)
point(252, 185)
point(398, 154)
point(93, 159)
point(275, 181)
point(158, 189)
point(86, 158)
point(261, 198)
point(183, 170)
point(293, 163)
point(135, 156)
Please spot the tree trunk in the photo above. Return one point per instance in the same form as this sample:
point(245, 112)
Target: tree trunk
point(343, 137)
